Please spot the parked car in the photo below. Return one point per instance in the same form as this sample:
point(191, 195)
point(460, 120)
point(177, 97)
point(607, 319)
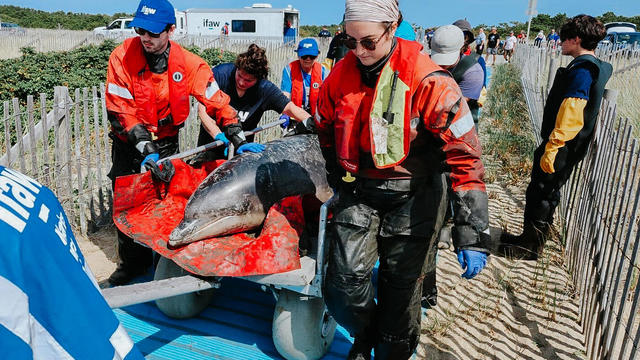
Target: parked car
point(622, 39)
point(11, 28)
point(618, 27)
point(117, 27)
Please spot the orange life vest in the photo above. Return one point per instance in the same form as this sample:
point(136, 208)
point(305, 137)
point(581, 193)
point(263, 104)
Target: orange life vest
point(297, 85)
point(412, 67)
point(144, 93)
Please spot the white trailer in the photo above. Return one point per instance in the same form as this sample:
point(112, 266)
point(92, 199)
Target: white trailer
point(258, 20)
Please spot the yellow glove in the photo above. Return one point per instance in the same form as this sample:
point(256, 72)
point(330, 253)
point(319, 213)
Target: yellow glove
point(328, 64)
point(569, 122)
point(483, 97)
point(547, 160)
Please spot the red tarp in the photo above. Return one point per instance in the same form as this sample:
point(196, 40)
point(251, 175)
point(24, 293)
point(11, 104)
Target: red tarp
point(148, 211)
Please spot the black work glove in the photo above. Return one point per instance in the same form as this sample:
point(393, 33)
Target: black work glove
point(140, 137)
point(235, 135)
point(165, 174)
point(306, 126)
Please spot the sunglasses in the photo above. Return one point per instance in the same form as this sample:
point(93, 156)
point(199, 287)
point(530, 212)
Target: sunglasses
point(141, 32)
point(369, 44)
point(308, 57)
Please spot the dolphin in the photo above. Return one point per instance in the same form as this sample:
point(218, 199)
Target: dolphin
point(237, 195)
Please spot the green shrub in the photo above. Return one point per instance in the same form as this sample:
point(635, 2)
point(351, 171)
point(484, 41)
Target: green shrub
point(213, 56)
point(35, 72)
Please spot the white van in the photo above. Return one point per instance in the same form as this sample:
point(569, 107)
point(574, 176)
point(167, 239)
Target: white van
point(618, 27)
point(117, 27)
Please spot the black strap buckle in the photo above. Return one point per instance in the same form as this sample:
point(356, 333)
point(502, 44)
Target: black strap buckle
point(166, 121)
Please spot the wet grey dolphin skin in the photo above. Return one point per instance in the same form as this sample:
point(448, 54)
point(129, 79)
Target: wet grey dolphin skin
point(236, 196)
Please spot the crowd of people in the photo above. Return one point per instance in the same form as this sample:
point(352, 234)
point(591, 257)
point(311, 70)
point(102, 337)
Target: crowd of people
point(398, 130)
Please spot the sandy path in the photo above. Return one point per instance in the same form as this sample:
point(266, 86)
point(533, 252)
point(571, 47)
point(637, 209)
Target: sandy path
point(513, 309)
point(99, 250)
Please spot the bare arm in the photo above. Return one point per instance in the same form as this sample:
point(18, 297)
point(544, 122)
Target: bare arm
point(209, 124)
point(295, 112)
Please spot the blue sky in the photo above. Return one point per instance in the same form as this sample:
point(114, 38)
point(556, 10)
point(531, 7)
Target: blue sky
point(423, 12)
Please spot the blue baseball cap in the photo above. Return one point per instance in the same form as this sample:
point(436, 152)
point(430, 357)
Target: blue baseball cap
point(154, 15)
point(308, 47)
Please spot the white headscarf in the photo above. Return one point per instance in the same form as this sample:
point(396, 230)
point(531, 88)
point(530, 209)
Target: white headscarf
point(371, 10)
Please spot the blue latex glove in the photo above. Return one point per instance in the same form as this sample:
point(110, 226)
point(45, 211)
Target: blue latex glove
point(286, 119)
point(153, 157)
point(473, 261)
point(251, 147)
point(222, 138)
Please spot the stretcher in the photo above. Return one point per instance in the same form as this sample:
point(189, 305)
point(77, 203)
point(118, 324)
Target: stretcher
point(186, 278)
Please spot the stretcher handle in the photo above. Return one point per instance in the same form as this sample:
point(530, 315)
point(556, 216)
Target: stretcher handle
point(215, 144)
point(324, 212)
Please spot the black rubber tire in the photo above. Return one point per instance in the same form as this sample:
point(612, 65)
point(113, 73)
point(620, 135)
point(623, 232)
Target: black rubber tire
point(181, 306)
point(302, 328)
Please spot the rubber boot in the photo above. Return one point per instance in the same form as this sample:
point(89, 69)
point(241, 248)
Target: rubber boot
point(429, 297)
point(444, 238)
point(135, 260)
point(361, 349)
point(400, 350)
point(123, 275)
point(528, 245)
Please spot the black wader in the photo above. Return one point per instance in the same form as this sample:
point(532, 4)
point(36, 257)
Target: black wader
point(397, 222)
point(126, 160)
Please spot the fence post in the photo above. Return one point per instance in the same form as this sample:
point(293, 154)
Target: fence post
point(611, 95)
point(68, 108)
point(46, 159)
point(88, 148)
point(7, 132)
point(18, 122)
point(57, 96)
point(552, 74)
point(100, 150)
point(32, 139)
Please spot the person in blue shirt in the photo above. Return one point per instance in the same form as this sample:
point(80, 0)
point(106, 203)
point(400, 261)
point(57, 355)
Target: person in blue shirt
point(553, 39)
point(250, 93)
point(301, 79)
point(405, 31)
point(50, 304)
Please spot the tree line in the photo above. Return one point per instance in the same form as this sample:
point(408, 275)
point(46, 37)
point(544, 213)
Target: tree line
point(545, 22)
point(31, 18)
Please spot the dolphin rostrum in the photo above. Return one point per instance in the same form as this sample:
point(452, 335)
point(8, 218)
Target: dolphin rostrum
point(237, 195)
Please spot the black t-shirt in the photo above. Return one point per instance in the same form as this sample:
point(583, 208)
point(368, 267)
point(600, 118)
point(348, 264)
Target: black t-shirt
point(493, 40)
point(261, 97)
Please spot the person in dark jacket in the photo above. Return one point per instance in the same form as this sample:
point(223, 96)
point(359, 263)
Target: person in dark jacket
point(447, 47)
point(337, 50)
point(568, 121)
point(324, 33)
point(250, 93)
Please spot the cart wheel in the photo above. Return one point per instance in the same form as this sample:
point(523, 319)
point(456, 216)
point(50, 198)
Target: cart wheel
point(180, 306)
point(302, 327)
